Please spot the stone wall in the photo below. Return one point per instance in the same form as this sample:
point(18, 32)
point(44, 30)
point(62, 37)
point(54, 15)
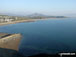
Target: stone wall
point(10, 42)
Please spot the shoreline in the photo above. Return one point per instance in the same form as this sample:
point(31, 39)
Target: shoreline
point(27, 20)
point(14, 22)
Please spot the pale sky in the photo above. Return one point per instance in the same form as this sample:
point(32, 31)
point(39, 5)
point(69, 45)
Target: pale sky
point(49, 7)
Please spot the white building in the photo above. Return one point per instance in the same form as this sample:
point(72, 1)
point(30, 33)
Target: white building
point(8, 20)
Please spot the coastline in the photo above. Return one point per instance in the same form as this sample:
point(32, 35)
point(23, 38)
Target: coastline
point(14, 22)
point(27, 20)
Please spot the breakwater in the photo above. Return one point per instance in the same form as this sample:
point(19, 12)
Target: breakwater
point(10, 42)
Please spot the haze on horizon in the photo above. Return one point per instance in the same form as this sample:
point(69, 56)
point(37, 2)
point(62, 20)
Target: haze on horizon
point(48, 7)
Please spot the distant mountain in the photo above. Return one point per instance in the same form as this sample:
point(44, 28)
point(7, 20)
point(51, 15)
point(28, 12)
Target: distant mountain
point(40, 16)
point(3, 15)
point(36, 15)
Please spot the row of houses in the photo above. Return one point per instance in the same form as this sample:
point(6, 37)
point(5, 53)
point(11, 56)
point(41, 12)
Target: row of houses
point(7, 18)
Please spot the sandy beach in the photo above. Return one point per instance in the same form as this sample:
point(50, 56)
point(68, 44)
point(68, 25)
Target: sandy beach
point(14, 22)
point(21, 21)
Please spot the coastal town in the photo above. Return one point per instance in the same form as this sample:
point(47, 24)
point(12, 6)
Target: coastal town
point(7, 19)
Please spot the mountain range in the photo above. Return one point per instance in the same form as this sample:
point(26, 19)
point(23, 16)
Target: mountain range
point(37, 15)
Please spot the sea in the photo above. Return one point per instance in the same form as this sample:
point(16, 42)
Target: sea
point(50, 36)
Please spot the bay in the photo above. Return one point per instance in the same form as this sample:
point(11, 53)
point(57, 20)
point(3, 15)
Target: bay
point(49, 36)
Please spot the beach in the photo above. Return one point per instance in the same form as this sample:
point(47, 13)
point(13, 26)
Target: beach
point(14, 22)
point(21, 21)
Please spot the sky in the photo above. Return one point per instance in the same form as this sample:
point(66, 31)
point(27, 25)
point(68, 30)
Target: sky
point(48, 7)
